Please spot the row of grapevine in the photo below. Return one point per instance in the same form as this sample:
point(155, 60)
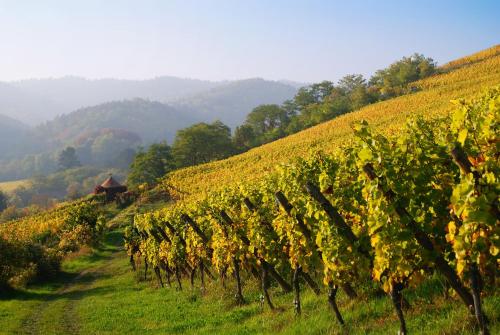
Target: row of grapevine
point(32, 247)
point(389, 210)
point(430, 100)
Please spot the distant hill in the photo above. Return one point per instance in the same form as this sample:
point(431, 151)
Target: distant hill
point(34, 101)
point(294, 84)
point(154, 121)
point(63, 95)
point(149, 120)
point(231, 102)
point(27, 107)
point(105, 132)
point(15, 137)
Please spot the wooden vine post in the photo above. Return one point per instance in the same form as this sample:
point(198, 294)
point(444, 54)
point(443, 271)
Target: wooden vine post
point(422, 239)
point(177, 267)
point(166, 268)
point(283, 201)
point(296, 289)
point(183, 242)
point(187, 219)
point(236, 264)
point(264, 264)
point(460, 158)
point(336, 218)
point(332, 293)
point(397, 301)
point(202, 275)
point(239, 295)
point(280, 197)
point(342, 227)
point(285, 286)
point(154, 234)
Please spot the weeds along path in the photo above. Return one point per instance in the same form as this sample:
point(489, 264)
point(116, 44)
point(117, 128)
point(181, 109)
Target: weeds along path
point(56, 313)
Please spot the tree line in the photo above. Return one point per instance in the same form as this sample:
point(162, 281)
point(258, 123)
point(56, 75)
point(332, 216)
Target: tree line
point(314, 104)
point(206, 142)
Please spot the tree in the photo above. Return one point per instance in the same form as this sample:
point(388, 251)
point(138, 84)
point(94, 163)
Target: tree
point(351, 82)
point(312, 94)
point(392, 81)
point(107, 147)
point(68, 159)
point(244, 138)
point(3, 201)
point(202, 143)
point(150, 165)
point(268, 122)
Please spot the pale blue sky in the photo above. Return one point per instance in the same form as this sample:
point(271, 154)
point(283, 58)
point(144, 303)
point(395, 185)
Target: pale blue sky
point(275, 39)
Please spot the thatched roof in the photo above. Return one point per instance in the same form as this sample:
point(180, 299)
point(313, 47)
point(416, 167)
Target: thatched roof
point(111, 183)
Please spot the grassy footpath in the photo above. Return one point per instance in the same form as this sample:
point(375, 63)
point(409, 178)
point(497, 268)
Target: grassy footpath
point(98, 294)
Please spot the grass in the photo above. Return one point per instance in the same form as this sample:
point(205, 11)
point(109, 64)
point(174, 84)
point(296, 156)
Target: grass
point(9, 186)
point(35, 309)
point(97, 293)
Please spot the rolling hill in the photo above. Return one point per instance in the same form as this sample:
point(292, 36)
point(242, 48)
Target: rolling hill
point(150, 120)
point(24, 106)
point(37, 100)
point(231, 102)
point(136, 121)
point(15, 137)
point(155, 121)
point(71, 93)
point(463, 77)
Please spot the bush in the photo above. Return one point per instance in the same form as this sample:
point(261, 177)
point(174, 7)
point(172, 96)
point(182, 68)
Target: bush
point(72, 239)
point(11, 261)
point(47, 261)
point(21, 264)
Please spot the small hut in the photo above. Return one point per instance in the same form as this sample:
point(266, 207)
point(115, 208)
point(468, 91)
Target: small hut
point(111, 188)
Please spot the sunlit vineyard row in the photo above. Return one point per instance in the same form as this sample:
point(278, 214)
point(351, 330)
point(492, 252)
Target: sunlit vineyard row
point(478, 56)
point(34, 246)
point(431, 100)
point(390, 210)
point(46, 222)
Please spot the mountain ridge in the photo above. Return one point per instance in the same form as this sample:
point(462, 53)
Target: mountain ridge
point(35, 101)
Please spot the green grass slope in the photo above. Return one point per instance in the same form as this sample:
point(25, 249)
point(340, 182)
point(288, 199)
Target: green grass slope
point(98, 294)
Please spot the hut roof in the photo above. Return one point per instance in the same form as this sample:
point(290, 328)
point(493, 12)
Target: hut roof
point(111, 183)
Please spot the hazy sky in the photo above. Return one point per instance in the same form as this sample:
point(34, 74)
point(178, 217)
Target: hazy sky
point(299, 40)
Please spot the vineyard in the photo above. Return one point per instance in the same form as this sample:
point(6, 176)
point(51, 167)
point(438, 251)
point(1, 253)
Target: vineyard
point(468, 77)
point(34, 246)
point(376, 207)
point(381, 213)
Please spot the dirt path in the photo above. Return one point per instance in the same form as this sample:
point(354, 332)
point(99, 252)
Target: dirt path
point(57, 314)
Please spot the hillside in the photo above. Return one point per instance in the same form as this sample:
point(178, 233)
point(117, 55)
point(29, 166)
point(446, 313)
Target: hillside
point(468, 77)
point(99, 293)
point(14, 137)
point(231, 102)
point(156, 121)
point(25, 106)
point(37, 100)
point(63, 95)
point(150, 120)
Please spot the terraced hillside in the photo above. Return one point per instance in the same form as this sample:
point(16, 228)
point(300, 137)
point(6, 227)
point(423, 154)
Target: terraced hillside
point(462, 78)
